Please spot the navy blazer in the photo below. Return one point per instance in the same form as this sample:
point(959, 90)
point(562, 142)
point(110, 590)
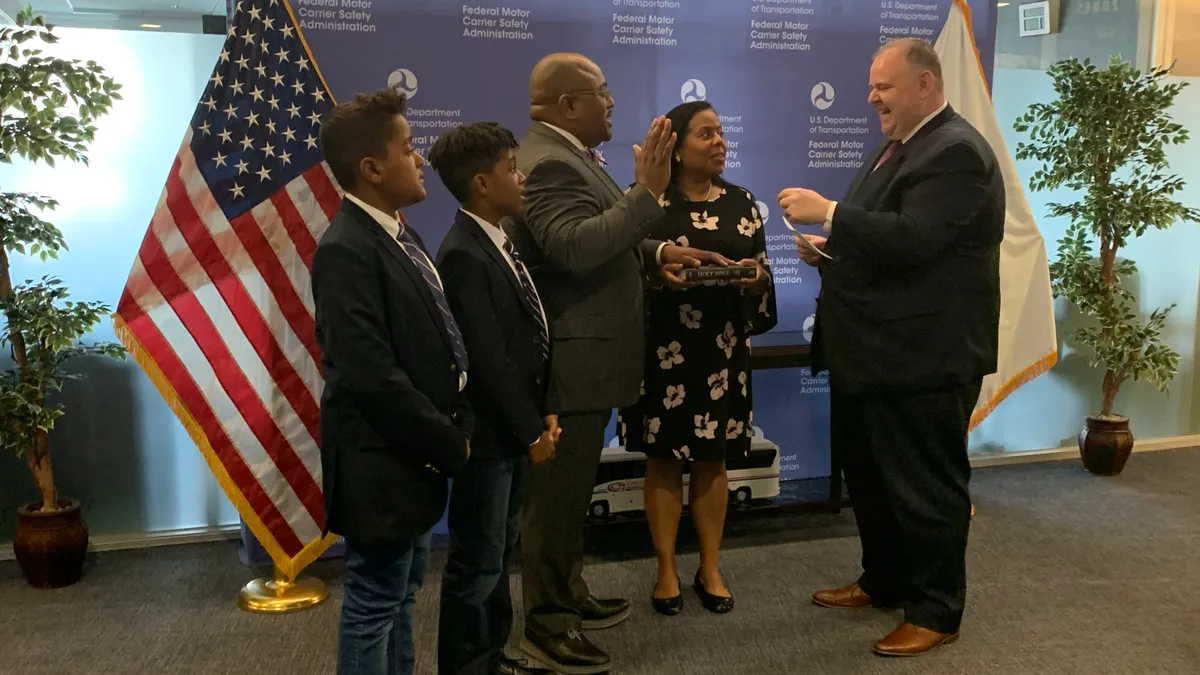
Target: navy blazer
point(507, 387)
point(911, 299)
point(394, 424)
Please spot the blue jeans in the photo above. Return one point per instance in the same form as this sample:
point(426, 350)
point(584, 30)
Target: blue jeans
point(375, 631)
point(476, 607)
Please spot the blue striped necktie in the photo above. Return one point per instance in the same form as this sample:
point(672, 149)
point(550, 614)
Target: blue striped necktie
point(425, 265)
point(532, 301)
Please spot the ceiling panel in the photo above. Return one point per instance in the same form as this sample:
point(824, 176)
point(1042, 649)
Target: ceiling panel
point(168, 15)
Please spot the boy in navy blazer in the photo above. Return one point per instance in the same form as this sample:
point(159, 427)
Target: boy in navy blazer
point(504, 325)
point(395, 421)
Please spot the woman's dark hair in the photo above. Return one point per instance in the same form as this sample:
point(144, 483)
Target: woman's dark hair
point(681, 118)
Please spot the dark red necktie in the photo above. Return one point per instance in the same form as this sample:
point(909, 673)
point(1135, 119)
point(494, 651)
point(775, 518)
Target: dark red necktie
point(886, 153)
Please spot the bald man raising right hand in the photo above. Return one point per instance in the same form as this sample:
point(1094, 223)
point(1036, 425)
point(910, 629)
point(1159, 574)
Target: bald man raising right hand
point(589, 248)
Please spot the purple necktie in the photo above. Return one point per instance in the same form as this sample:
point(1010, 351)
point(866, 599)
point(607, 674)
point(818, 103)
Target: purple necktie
point(886, 153)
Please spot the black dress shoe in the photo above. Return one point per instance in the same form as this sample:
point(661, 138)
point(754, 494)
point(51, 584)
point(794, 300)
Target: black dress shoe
point(714, 603)
point(599, 614)
point(668, 606)
point(570, 653)
point(507, 666)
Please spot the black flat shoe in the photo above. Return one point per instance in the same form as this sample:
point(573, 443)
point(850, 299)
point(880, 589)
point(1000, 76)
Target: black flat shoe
point(714, 603)
point(668, 606)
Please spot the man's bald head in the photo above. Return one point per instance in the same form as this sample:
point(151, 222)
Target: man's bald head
point(568, 91)
point(558, 74)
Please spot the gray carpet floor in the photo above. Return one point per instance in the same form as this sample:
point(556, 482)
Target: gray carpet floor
point(1068, 573)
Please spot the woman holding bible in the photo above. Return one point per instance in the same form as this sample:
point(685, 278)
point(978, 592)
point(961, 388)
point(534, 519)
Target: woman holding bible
point(695, 408)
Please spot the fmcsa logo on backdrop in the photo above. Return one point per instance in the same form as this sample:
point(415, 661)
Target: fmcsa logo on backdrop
point(808, 326)
point(404, 81)
point(822, 95)
point(763, 211)
point(692, 90)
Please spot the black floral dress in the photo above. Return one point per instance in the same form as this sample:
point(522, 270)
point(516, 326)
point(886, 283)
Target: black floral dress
point(696, 400)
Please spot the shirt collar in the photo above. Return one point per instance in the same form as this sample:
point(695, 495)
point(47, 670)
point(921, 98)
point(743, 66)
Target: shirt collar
point(494, 233)
point(390, 224)
point(925, 121)
point(569, 136)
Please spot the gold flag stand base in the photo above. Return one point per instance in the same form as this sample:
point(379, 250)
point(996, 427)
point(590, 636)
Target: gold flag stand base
point(279, 595)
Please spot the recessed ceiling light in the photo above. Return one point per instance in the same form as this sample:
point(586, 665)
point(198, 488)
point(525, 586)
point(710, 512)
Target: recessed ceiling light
point(1002, 4)
point(151, 25)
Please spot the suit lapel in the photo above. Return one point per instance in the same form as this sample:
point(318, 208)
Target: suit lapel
point(406, 264)
point(865, 189)
point(591, 164)
point(468, 224)
point(872, 187)
point(864, 172)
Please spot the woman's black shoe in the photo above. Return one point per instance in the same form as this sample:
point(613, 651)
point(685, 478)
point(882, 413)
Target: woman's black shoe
point(713, 603)
point(668, 606)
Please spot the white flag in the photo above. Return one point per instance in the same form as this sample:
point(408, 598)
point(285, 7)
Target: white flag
point(1028, 343)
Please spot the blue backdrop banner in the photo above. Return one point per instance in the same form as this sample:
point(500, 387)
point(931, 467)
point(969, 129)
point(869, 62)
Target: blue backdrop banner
point(788, 79)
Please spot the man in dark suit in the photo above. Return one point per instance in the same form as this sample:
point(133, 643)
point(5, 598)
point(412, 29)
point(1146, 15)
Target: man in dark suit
point(492, 295)
point(588, 246)
point(394, 418)
point(907, 325)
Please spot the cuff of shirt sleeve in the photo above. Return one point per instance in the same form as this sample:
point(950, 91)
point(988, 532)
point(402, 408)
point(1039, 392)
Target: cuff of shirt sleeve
point(658, 253)
point(829, 218)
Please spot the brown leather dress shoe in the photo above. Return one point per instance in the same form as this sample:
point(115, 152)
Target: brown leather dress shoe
point(911, 640)
point(846, 597)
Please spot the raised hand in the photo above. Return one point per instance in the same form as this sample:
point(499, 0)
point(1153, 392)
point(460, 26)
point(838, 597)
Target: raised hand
point(652, 160)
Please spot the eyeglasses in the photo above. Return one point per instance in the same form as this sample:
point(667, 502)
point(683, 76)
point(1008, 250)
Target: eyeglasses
point(602, 92)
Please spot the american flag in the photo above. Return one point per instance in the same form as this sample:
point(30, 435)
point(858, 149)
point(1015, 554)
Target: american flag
point(218, 309)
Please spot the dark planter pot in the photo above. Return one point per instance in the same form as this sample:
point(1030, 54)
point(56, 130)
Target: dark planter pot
point(1105, 444)
point(51, 547)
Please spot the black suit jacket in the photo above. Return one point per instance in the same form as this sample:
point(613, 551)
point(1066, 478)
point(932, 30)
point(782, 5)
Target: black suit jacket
point(912, 298)
point(393, 421)
point(507, 387)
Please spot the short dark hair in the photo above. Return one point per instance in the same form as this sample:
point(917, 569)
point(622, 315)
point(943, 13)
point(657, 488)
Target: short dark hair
point(359, 128)
point(461, 153)
point(919, 53)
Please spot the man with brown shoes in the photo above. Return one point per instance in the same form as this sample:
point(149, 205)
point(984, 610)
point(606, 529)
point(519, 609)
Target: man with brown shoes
point(907, 327)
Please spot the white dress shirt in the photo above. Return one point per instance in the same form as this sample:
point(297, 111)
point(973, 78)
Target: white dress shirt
point(579, 144)
point(907, 138)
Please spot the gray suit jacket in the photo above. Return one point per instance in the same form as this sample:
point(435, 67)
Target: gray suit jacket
point(586, 245)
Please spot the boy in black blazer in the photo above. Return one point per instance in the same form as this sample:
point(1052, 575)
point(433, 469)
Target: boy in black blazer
point(394, 414)
point(493, 298)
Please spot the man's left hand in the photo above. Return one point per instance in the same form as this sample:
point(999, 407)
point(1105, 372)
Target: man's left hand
point(803, 206)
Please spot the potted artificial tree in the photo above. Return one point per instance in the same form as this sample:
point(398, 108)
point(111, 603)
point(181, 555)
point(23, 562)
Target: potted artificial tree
point(47, 107)
point(1104, 138)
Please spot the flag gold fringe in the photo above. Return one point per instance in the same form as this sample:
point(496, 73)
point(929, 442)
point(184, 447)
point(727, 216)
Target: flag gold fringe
point(290, 566)
point(1030, 372)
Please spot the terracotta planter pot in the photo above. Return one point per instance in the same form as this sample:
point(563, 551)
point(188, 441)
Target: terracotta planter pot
point(1105, 444)
point(51, 547)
